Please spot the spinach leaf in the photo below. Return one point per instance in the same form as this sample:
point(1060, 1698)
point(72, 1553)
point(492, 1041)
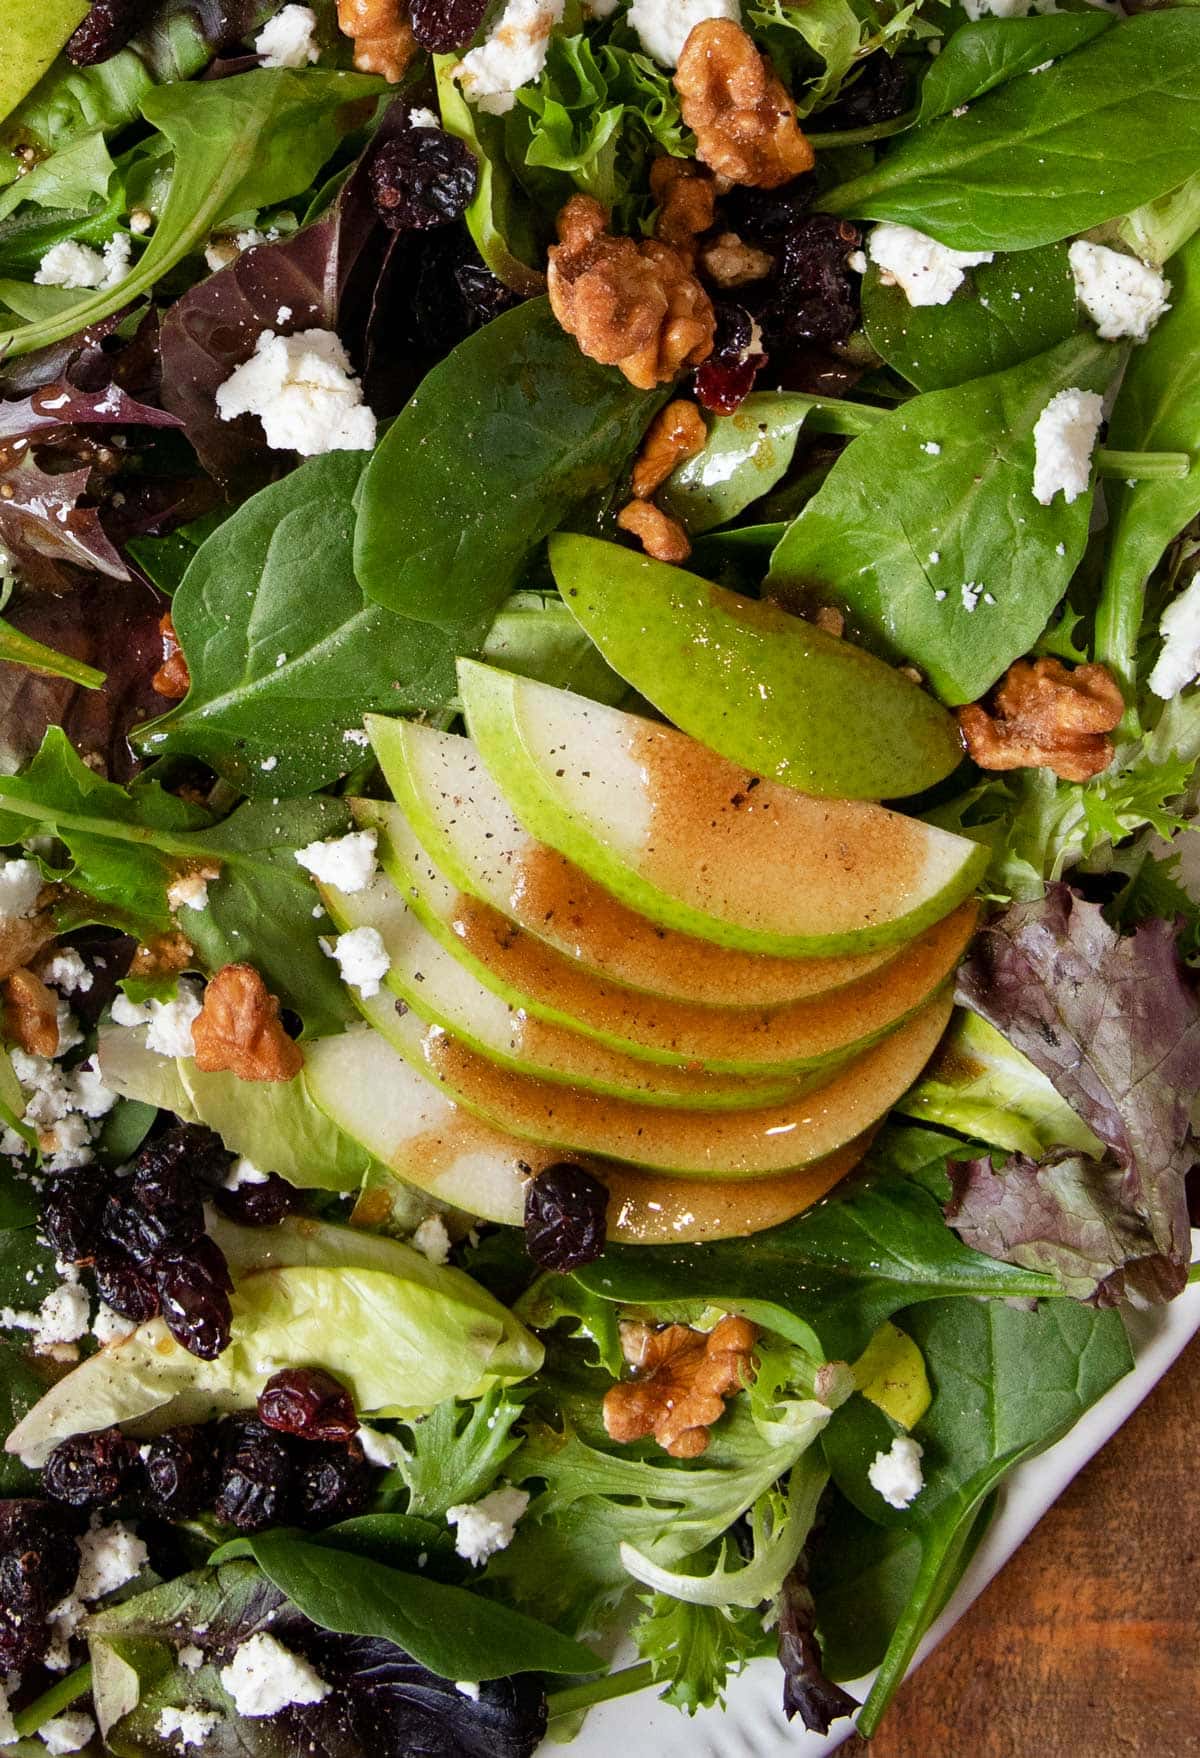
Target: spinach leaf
point(20, 1389)
point(503, 441)
point(978, 57)
point(455, 1633)
point(535, 635)
point(1159, 228)
point(239, 144)
point(68, 179)
point(285, 654)
point(1007, 310)
point(34, 32)
point(1158, 406)
point(1007, 1384)
point(838, 1270)
point(946, 559)
point(1039, 158)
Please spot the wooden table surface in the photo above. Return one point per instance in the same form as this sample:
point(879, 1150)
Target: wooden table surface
point(1087, 1645)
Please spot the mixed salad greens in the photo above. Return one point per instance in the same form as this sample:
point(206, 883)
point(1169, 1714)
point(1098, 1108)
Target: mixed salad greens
point(521, 1180)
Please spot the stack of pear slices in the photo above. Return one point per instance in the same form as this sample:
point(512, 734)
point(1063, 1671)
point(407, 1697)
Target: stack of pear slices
point(609, 944)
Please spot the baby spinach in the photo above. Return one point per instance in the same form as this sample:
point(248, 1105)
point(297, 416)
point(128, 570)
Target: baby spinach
point(978, 57)
point(1039, 159)
point(1005, 311)
point(501, 444)
point(1159, 228)
point(945, 558)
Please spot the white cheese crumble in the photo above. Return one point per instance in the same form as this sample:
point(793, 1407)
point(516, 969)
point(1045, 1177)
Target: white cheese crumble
point(66, 971)
point(78, 266)
point(168, 1023)
point(1064, 437)
point(66, 1733)
point(109, 1556)
point(420, 117)
point(192, 1725)
point(111, 1327)
point(928, 272)
point(345, 861)
point(190, 1657)
point(488, 1525)
point(977, 9)
point(512, 56)
point(20, 883)
point(379, 1449)
point(303, 390)
point(432, 1240)
point(188, 892)
point(362, 959)
point(1122, 295)
point(243, 1171)
point(1179, 661)
point(897, 1474)
point(264, 1677)
point(664, 26)
point(288, 39)
point(64, 1317)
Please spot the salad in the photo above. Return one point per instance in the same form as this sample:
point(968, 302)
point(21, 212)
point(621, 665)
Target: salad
point(599, 904)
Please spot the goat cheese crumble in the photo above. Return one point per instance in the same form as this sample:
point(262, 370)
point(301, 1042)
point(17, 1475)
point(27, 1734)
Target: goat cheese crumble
point(1122, 295)
point(66, 971)
point(109, 1556)
point(288, 39)
point(345, 861)
point(20, 883)
point(897, 1474)
point(192, 1725)
point(486, 1526)
point(66, 1733)
point(929, 273)
point(264, 1677)
point(1178, 663)
point(1064, 438)
point(512, 56)
point(78, 266)
point(168, 1023)
point(188, 892)
point(362, 959)
point(663, 26)
point(432, 1240)
point(304, 391)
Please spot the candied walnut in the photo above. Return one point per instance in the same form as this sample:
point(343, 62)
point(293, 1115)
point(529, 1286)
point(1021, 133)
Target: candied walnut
point(1046, 717)
point(683, 1380)
point(736, 105)
point(636, 306)
point(239, 1029)
point(163, 956)
point(660, 536)
point(676, 433)
point(686, 198)
point(382, 36)
point(22, 938)
point(172, 679)
point(31, 1013)
point(731, 262)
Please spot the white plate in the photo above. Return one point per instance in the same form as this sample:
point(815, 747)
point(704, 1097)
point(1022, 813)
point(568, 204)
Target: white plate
point(753, 1726)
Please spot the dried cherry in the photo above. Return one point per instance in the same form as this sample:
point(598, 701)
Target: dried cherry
point(24, 1639)
point(727, 377)
point(165, 1193)
point(259, 1205)
point(90, 1470)
point(309, 1403)
point(422, 179)
point(879, 94)
point(124, 1286)
point(329, 1483)
point(181, 1470)
point(815, 297)
point(443, 25)
point(39, 1558)
point(566, 1219)
point(70, 1213)
point(193, 1288)
point(254, 1475)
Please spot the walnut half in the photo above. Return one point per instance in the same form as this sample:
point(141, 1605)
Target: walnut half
point(238, 1029)
point(382, 36)
point(683, 1380)
point(31, 1014)
point(737, 106)
point(1046, 717)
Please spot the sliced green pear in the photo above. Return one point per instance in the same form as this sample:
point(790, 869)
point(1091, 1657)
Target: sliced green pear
point(763, 688)
point(431, 981)
point(694, 842)
point(476, 871)
point(697, 1144)
point(373, 1094)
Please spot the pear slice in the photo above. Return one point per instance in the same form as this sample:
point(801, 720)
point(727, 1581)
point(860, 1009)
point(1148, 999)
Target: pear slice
point(369, 1091)
point(696, 843)
point(763, 688)
point(431, 981)
point(475, 871)
point(697, 1144)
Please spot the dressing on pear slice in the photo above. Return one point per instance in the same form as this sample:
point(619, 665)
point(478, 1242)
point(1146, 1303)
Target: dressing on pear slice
point(370, 1092)
point(475, 872)
point(763, 688)
point(696, 843)
point(698, 1144)
point(443, 992)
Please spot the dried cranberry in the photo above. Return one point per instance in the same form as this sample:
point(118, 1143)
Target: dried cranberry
point(879, 94)
point(123, 1286)
point(106, 29)
point(181, 1469)
point(254, 1476)
point(70, 1216)
point(766, 213)
point(90, 1470)
point(329, 1483)
point(727, 377)
point(193, 1288)
point(308, 1402)
point(565, 1217)
point(166, 1194)
point(125, 1224)
point(421, 179)
point(815, 295)
point(259, 1205)
point(39, 1559)
point(188, 1148)
point(24, 1638)
point(442, 25)
point(483, 293)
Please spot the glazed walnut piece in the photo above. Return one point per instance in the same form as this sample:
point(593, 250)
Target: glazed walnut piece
point(686, 197)
point(31, 1014)
point(683, 1379)
point(382, 36)
point(677, 433)
point(1046, 717)
point(636, 306)
point(172, 678)
point(660, 536)
point(238, 1029)
point(734, 101)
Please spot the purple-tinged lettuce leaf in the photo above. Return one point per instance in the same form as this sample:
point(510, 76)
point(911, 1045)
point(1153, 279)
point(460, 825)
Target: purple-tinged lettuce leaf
point(806, 1691)
point(1112, 1022)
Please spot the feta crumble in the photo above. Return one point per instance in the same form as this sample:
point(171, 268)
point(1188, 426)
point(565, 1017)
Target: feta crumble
point(66, 971)
point(1122, 295)
point(109, 1556)
point(242, 1172)
point(20, 883)
point(467, 1688)
point(111, 1327)
point(362, 959)
point(420, 117)
point(897, 1474)
point(192, 1725)
point(188, 892)
point(168, 1023)
point(66, 1733)
point(303, 390)
point(663, 26)
point(190, 1657)
point(928, 272)
point(379, 1449)
point(1064, 437)
point(288, 39)
point(345, 861)
point(432, 1240)
point(488, 1525)
point(512, 56)
point(264, 1677)
point(1178, 663)
point(78, 266)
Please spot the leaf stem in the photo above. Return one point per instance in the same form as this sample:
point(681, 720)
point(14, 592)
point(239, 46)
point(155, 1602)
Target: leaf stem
point(847, 137)
point(1142, 466)
point(619, 1684)
point(19, 649)
point(61, 1693)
